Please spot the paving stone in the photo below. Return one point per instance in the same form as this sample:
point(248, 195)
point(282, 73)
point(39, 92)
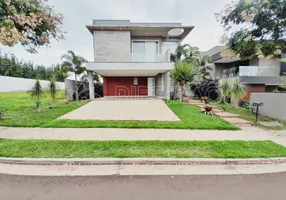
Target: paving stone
point(237, 121)
point(217, 111)
point(226, 115)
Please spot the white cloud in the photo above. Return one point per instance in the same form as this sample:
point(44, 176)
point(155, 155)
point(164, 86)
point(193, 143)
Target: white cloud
point(80, 13)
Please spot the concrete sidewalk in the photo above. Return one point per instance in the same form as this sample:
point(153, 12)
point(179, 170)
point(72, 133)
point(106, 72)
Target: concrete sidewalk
point(129, 170)
point(103, 134)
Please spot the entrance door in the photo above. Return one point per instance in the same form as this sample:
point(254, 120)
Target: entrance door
point(151, 87)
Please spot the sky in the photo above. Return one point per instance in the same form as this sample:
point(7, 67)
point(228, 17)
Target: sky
point(79, 13)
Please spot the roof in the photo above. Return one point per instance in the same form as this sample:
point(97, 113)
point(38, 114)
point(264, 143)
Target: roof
point(140, 29)
point(267, 80)
point(214, 50)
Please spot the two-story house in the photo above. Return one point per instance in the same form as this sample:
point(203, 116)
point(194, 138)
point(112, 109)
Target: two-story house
point(134, 58)
point(259, 74)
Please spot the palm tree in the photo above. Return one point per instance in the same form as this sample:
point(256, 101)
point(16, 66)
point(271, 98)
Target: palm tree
point(53, 90)
point(201, 61)
point(181, 50)
point(60, 72)
point(75, 64)
point(84, 78)
point(238, 91)
point(37, 92)
point(184, 74)
point(224, 90)
point(193, 55)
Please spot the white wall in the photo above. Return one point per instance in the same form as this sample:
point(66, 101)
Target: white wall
point(273, 104)
point(10, 84)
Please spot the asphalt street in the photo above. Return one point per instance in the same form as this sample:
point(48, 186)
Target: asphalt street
point(234, 187)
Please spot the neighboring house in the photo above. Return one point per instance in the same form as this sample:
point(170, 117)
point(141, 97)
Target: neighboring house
point(259, 74)
point(134, 58)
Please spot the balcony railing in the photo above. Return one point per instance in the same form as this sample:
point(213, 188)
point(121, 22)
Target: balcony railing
point(145, 57)
point(250, 71)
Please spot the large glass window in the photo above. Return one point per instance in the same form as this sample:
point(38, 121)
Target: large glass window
point(145, 51)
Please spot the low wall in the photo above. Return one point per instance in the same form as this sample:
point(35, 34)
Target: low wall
point(10, 84)
point(274, 104)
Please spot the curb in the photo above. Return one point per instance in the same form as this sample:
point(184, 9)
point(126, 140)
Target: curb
point(140, 161)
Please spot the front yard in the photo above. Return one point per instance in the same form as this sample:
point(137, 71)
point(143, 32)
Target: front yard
point(19, 111)
point(137, 149)
point(248, 115)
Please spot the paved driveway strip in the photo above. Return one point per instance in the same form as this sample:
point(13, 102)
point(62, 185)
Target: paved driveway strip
point(143, 110)
point(103, 134)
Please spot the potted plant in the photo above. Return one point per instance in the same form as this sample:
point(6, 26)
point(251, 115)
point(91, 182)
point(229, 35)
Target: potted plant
point(204, 99)
point(208, 110)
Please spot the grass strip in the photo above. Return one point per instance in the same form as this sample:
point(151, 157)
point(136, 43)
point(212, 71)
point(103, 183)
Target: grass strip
point(137, 149)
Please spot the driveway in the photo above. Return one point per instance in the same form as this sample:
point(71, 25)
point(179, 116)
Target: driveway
point(143, 110)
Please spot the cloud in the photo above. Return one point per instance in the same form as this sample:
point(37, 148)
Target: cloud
point(80, 13)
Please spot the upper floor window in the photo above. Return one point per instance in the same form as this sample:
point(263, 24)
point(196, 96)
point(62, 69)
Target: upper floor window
point(145, 51)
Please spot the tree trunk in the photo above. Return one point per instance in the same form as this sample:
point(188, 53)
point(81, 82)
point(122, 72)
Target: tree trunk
point(38, 105)
point(235, 103)
point(54, 103)
point(182, 94)
point(76, 89)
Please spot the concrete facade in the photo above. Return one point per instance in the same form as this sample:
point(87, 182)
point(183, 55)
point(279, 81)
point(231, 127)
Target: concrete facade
point(111, 46)
point(273, 104)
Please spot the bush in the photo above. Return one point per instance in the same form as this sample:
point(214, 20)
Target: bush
point(245, 104)
point(207, 88)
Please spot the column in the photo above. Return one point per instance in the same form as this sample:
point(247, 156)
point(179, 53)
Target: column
point(91, 84)
point(167, 82)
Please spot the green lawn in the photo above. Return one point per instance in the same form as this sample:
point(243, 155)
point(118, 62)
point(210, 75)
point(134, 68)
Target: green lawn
point(248, 115)
point(20, 111)
point(136, 149)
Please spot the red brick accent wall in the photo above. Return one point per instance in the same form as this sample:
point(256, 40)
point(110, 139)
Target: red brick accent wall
point(124, 86)
point(253, 88)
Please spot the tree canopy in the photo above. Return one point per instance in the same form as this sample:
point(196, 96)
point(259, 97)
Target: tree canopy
point(254, 28)
point(11, 66)
point(32, 23)
point(192, 55)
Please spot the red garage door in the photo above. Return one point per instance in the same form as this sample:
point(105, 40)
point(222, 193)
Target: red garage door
point(125, 86)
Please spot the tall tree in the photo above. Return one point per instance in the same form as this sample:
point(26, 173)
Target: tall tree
point(75, 64)
point(254, 27)
point(193, 55)
point(181, 50)
point(95, 77)
point(31, 23)
point(60, 72)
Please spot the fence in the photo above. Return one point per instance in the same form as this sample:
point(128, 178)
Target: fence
point(10, 84)
point(274, 104)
